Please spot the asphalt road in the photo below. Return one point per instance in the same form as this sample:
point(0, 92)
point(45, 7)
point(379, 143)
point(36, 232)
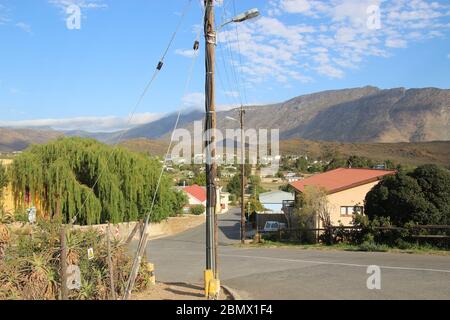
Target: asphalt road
point(291, 273)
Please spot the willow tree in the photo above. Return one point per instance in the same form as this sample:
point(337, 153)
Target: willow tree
point(95, 182)
point(3, 183)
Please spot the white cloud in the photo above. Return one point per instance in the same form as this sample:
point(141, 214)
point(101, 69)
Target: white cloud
point(4, 15)
point(84, 5)
point(194, 100)
point(233, 94)
point(396, 43)
point(295, 6)
point(329, 37)
point(25, 27)
point(448, 56)
point(93, 124)
point(186, 53)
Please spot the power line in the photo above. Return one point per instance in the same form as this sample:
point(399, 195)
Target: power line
point(143, 240)
point(227, 46)
point(240, 53)
point(234, 99)
point(139, 101)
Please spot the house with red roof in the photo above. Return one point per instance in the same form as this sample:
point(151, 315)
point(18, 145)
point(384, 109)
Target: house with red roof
point(346, 190)
point(197, 196)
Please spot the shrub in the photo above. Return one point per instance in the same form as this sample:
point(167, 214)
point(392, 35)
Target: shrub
point(197, 210)
point(421, 196)
point(373, 247)
point(30, 267)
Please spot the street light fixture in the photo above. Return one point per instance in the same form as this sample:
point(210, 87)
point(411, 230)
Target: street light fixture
point(247, 15)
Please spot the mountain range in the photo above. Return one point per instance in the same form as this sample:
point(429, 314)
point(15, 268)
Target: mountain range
point(359, 115)
point(367, 114)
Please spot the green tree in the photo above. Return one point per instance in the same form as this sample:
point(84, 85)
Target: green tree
point(234, 186)
point(285, 163)
point(316, 168)
point(421, 196)
point(92, 180)
point(3, 182)
point(336, 163)
point(302, 164)
point(280, 174)
point(253, 205)
point(247, 169)
point(200, 179)
point(3, 177)
point(255, 186)
point(390, 165)
point(360, 162)
point(181, 200)
point(287, 188)
point(435, 184)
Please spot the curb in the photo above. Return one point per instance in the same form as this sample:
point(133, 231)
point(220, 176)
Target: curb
point(234, 295)
point(231, 292)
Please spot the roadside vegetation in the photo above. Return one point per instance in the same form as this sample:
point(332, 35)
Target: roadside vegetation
point(30, 263)
point(92, 181)
point(406, 211)
point(3, 184)
point(197, 210)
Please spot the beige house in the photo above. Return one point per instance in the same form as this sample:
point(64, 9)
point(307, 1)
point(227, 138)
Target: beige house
point(346, 190)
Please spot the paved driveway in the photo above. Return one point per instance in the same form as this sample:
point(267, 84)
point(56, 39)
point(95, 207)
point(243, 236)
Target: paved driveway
point(263, 273)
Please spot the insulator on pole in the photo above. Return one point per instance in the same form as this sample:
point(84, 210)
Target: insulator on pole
point(196, 45)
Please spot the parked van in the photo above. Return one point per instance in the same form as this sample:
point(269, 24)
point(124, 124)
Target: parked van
point(273, 226)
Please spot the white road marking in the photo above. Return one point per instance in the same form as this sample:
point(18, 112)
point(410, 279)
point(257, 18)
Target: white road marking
point(332, 263)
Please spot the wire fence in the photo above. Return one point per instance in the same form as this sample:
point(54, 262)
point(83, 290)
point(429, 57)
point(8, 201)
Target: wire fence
point(438, 235)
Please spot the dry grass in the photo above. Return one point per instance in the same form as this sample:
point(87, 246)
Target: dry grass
point(403, 153)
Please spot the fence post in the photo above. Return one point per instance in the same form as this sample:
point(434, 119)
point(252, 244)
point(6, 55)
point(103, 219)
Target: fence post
point(331, 234)
point(110, 264)
point(64, 291)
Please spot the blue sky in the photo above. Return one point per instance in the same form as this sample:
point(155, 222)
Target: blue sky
point(91, 78)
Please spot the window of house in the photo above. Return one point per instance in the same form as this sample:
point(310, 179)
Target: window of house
point(351, 210)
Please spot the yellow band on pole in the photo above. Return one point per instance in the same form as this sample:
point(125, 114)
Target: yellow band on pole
point(209, 275)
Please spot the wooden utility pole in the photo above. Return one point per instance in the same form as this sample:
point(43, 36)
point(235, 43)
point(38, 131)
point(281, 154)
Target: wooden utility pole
point(63, 261)
point(242, 113)
point(110, 264)
point(210, 143)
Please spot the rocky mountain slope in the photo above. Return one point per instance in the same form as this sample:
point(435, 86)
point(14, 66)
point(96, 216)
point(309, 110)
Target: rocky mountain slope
point(365, 114)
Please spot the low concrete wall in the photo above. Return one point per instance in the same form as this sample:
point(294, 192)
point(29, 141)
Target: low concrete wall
point(121, 231)
point(170, 226)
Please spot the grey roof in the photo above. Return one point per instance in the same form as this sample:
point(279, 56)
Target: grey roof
point(275, 197)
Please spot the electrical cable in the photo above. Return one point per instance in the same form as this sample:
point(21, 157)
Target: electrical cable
point(139, 101)
point(143, 240)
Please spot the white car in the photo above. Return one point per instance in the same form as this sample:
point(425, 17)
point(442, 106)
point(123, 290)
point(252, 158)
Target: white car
point(273, 226)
